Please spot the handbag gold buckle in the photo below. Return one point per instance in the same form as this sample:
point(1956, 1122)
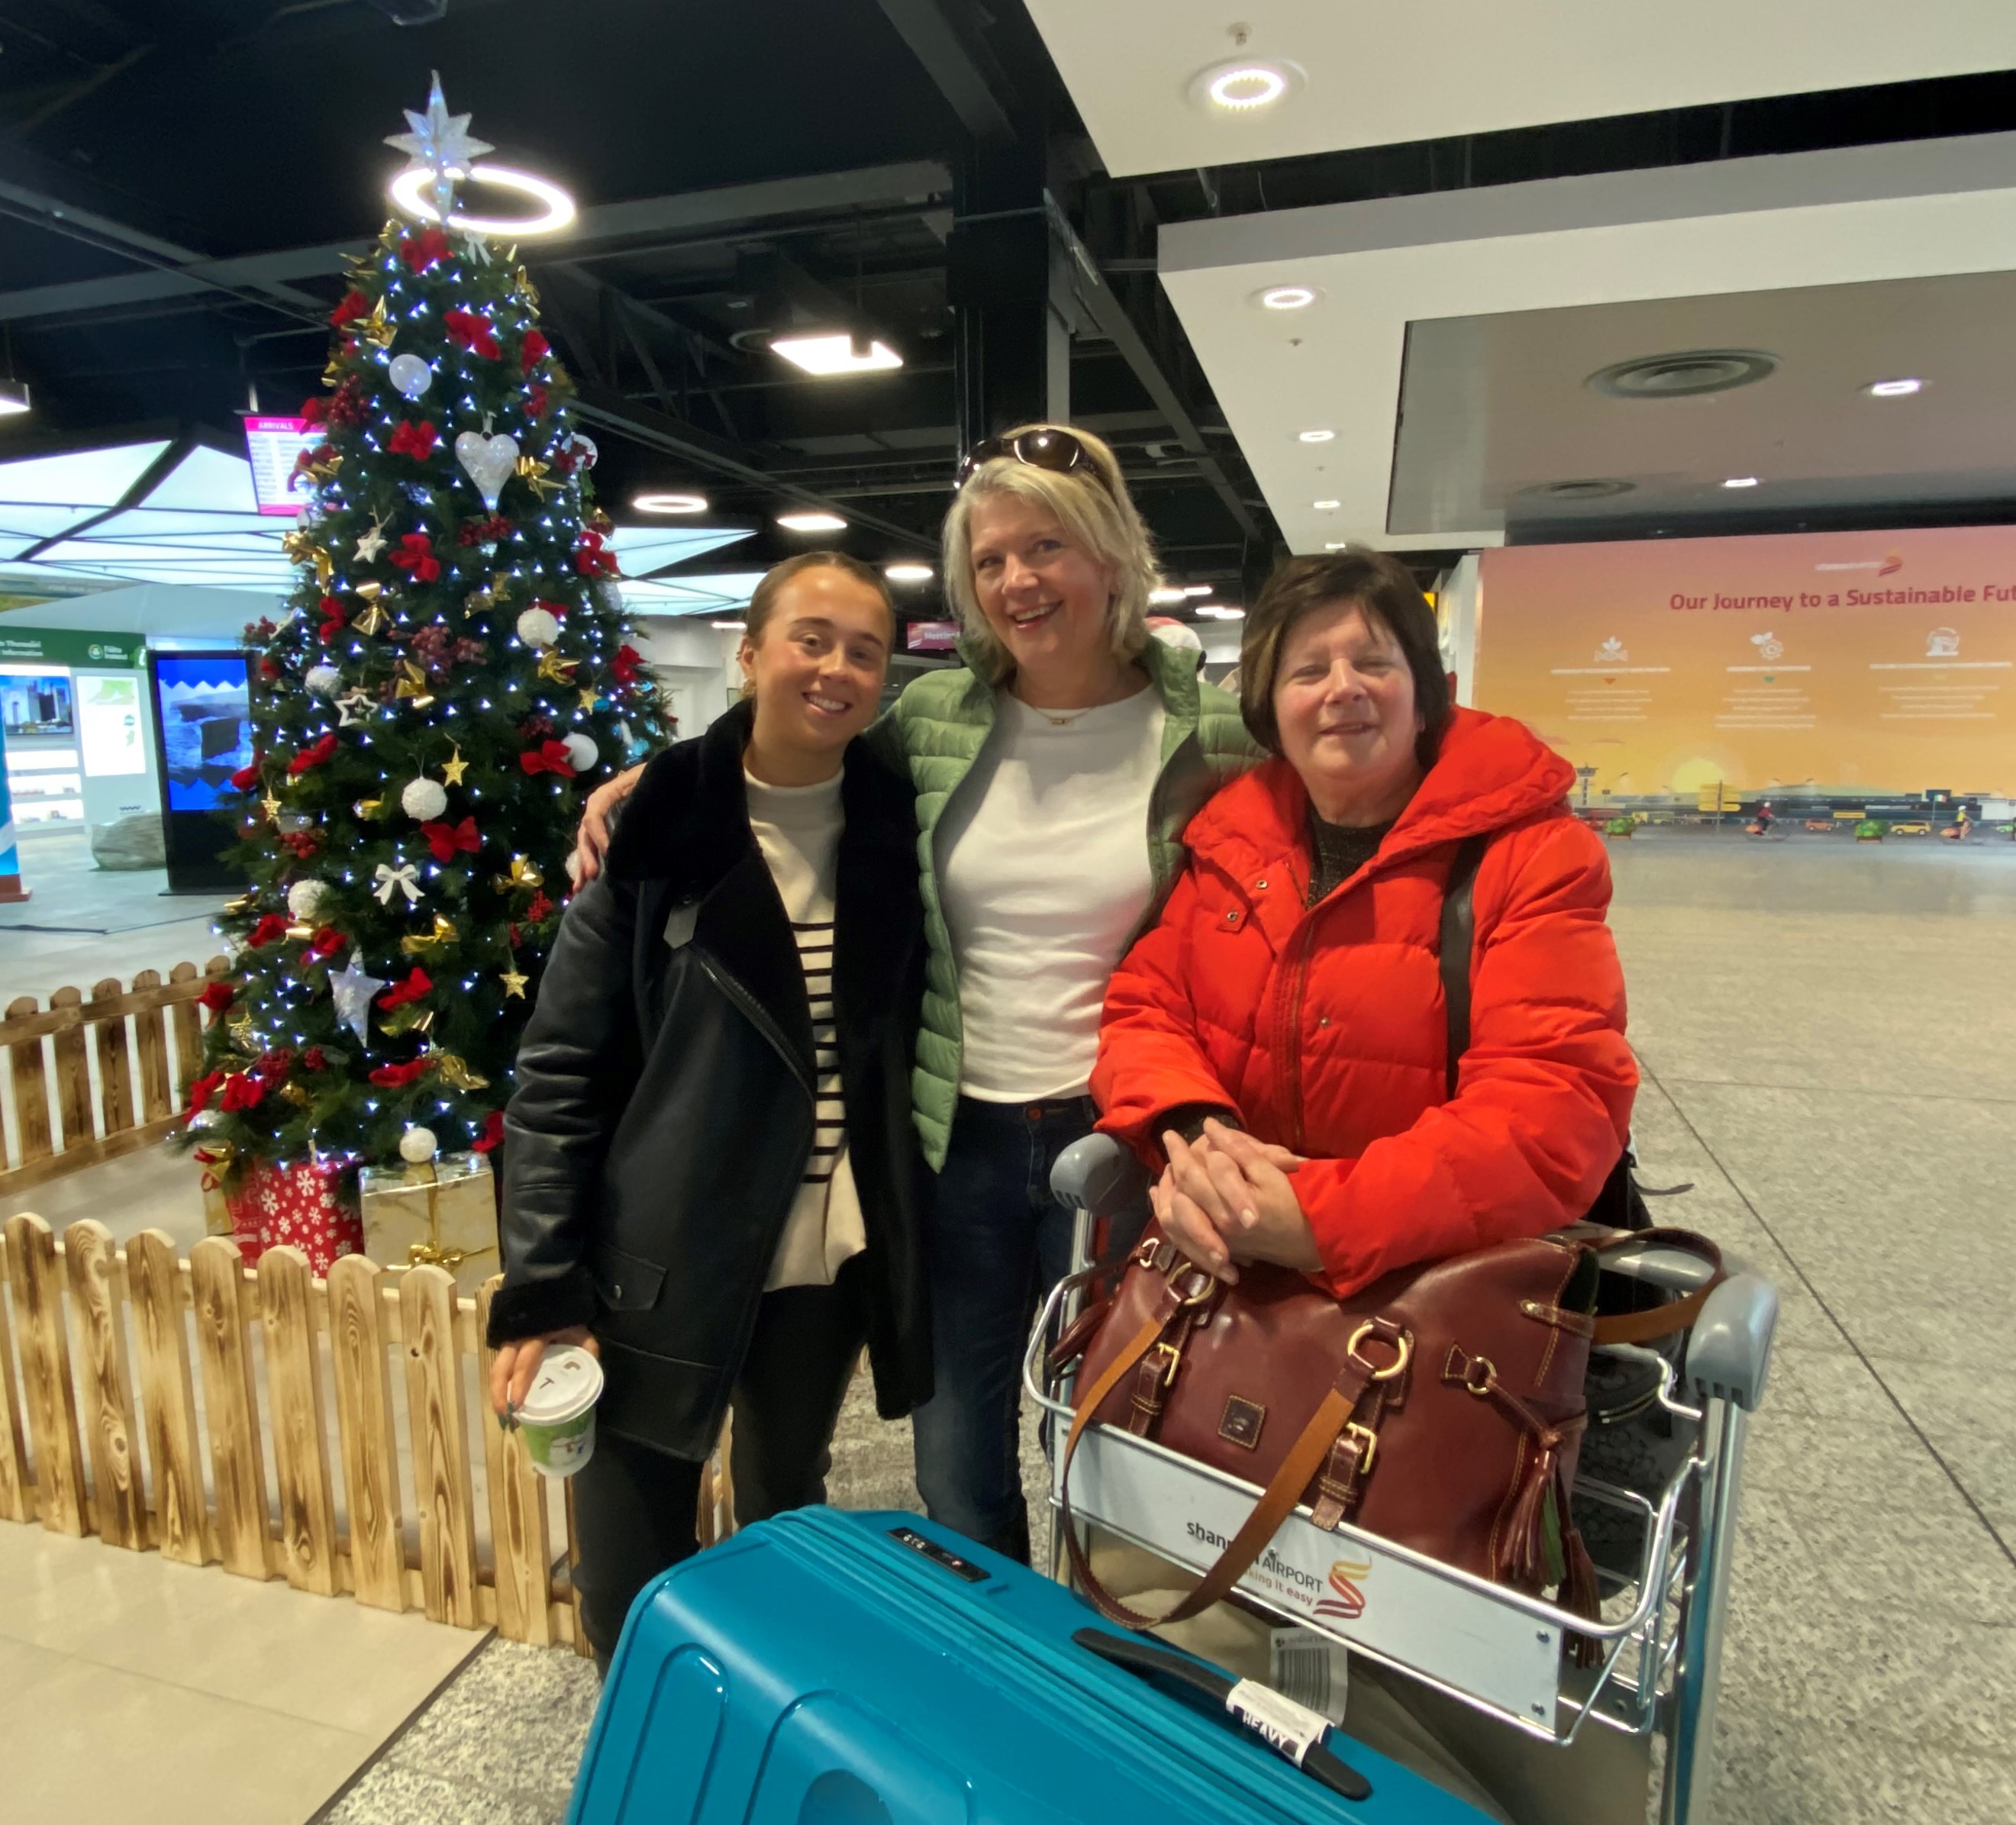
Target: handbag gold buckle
point(1368, 1446)
point(1405, 1345)
point(1175, 1355)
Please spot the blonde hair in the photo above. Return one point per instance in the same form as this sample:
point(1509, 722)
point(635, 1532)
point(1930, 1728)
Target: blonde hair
point(1097, 516)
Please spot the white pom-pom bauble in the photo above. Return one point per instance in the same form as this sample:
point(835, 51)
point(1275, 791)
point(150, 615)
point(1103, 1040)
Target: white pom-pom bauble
point(205, 1119)
point(410, 374)
point(538, 627)
point(417, 1146)
point(585, 450)
point(582, 753)
point(306, 900)
point(323, 680)
point(423, 799)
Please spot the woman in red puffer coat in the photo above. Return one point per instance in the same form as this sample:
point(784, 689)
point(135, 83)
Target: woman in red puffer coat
point(1277, 1046)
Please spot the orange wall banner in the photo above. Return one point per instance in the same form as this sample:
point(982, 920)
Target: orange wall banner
point(1882, 663)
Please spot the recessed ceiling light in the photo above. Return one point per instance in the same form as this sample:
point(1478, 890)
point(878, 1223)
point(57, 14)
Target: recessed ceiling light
point(908, 573)
point(1286, 297)
point(669, 503)
point(1740, 481)
point(14, 398)
point(1336, 544)
point(1898, 389)
point(1217, 611)
point(812, 522)
point(829, 355)
point(1317, 436)
point(1196, 588)
point(1326, 506)
point(1167, 593)
point(729, 627)
point(1246, 86)
point(1689, 373)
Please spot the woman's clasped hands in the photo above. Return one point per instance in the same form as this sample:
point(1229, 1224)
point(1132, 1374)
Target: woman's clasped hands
point(1226, 1197)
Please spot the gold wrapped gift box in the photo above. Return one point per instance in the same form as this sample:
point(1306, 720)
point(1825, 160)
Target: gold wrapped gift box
point(443, 1212)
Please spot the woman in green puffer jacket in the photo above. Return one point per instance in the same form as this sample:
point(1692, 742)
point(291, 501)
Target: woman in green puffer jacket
point(1056, 772)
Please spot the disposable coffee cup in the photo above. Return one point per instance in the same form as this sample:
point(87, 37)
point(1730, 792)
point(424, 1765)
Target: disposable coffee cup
point(558, 1417)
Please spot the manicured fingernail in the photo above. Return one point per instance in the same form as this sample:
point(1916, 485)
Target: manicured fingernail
point(1249, 1218)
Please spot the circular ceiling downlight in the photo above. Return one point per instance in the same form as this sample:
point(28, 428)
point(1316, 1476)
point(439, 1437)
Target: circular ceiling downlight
point(1686, 374)
point(1286, 297)
point(1247, 85)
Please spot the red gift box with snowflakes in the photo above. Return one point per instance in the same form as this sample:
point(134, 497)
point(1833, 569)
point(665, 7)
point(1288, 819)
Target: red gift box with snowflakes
point(309, 1204)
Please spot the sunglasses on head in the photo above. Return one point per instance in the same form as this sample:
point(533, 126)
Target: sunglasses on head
point(1057, 451)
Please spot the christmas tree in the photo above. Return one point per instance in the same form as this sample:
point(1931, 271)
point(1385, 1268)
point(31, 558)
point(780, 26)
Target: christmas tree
point(453, 679)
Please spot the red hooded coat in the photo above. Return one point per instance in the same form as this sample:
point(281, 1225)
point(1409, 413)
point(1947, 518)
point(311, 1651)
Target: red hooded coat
point(1325, 1028)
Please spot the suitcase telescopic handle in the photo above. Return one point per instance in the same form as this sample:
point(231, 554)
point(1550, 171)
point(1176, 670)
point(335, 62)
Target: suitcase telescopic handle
point(1287, 1728)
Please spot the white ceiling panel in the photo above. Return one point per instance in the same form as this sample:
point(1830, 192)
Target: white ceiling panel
point(1377, 73)
point(1865, 218)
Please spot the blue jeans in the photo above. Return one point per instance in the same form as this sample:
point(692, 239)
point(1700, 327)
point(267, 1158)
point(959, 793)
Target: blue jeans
point(999, 1242)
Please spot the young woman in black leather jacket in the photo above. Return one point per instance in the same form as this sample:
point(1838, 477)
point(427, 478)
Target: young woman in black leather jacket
point(711, 1178)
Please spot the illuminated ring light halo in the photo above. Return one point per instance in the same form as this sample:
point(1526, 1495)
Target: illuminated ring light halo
point(409, 191)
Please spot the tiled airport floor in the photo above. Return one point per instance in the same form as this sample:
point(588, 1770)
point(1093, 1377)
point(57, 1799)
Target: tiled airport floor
point(1830, 1057)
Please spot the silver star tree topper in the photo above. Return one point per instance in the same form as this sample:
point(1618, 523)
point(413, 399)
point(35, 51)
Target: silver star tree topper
point(440, 143)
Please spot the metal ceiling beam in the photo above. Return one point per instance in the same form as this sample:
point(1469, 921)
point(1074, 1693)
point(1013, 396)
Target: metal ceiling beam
point(1105, 310)
point(659, 430)
point(964, 72)
point(178, 271)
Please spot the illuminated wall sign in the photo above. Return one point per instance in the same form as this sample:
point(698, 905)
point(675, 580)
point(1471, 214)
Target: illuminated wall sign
point(272, 444)
point(930, 636)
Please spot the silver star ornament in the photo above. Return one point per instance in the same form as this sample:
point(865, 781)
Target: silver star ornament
point(440, 143)
point(353, 989)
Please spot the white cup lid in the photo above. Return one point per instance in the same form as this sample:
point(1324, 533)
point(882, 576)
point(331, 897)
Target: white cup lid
point(568, 1384)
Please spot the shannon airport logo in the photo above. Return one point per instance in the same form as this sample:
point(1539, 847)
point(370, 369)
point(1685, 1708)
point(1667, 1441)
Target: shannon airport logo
point(1346, 1576)
point(1888, 565)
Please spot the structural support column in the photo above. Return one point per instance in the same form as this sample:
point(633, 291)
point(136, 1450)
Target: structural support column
point(1012, 320)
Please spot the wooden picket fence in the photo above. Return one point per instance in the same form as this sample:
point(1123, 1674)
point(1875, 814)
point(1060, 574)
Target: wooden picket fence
point(89, 1447)
point(147, 1043)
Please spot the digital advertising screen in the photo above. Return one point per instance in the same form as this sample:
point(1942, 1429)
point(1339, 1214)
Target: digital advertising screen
point(111, 729)
point(1878, 662)
point(203, 735)
point(930, 636)
point(271, 445)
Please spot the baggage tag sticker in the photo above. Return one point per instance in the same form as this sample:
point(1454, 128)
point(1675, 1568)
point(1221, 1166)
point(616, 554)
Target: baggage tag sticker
point(1291, 1728)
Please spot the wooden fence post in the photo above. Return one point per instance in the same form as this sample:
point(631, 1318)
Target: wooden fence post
point(150, 1033)
point(17, 1490)
point(109, 1424)
point(167, 1398)
point(30, 1089)
point(519, 1543)
point(295, 1412)
point(51, 1404)
point(440, 1435)
point(231, 1409)
point(357, 1347)
point(73, 1073)
point(115, 1060)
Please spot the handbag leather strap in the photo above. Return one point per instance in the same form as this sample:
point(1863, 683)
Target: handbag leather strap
point(1675, 1315)
point(1305, 1457)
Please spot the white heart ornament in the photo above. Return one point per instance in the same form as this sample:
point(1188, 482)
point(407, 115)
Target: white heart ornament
point(487, 462)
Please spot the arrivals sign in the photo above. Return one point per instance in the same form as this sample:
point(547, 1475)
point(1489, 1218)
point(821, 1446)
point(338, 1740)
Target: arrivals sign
point(271, 445)
point(1880, 662)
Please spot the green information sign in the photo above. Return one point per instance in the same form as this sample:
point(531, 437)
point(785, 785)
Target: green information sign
point(69, 646)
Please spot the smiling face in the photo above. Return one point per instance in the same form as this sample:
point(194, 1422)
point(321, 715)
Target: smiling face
point(817, 663)
point(1046, 600)
point(1344, 701)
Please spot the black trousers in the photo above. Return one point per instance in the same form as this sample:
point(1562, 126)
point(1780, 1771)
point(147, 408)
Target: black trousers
point(636, 1508)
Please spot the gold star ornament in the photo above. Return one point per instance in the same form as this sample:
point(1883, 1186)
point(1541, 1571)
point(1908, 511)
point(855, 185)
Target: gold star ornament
point(453, 768)
point(514, 983)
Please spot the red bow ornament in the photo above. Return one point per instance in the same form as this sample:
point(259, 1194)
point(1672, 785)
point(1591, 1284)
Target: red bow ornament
point(396, 1077)
point(243, 1092)
point(532, 351)
point(415, 440)
point(269, 929)
point(493, 1132)
point(217, 997)
point(416, 986)
point(246, 778)
point(316, 411)
point(624, 667)
point(421, 251)
point(549, 757)
point(416, 554)
point(332, 622)
point(591, 559)
point(448, 841)
point(473, 332)
point(355, 305)
point(326, 943)
point(311, 757)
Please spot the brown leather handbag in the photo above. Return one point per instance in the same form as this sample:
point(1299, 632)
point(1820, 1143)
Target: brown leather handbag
point(1441, 1408)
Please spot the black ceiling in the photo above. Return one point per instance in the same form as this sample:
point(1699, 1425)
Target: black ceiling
point(144, 142)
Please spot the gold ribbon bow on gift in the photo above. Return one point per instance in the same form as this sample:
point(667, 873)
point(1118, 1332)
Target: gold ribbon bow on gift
point(431, 1252)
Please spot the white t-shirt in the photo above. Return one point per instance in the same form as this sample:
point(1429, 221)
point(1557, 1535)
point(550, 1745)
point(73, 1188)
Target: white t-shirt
point(1044, 874)
point(798, 828)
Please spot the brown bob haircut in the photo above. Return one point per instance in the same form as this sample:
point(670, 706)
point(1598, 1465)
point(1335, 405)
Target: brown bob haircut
point(1385, 590)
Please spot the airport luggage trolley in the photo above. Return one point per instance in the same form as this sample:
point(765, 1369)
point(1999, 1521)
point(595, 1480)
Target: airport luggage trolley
point(1496, 1650)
